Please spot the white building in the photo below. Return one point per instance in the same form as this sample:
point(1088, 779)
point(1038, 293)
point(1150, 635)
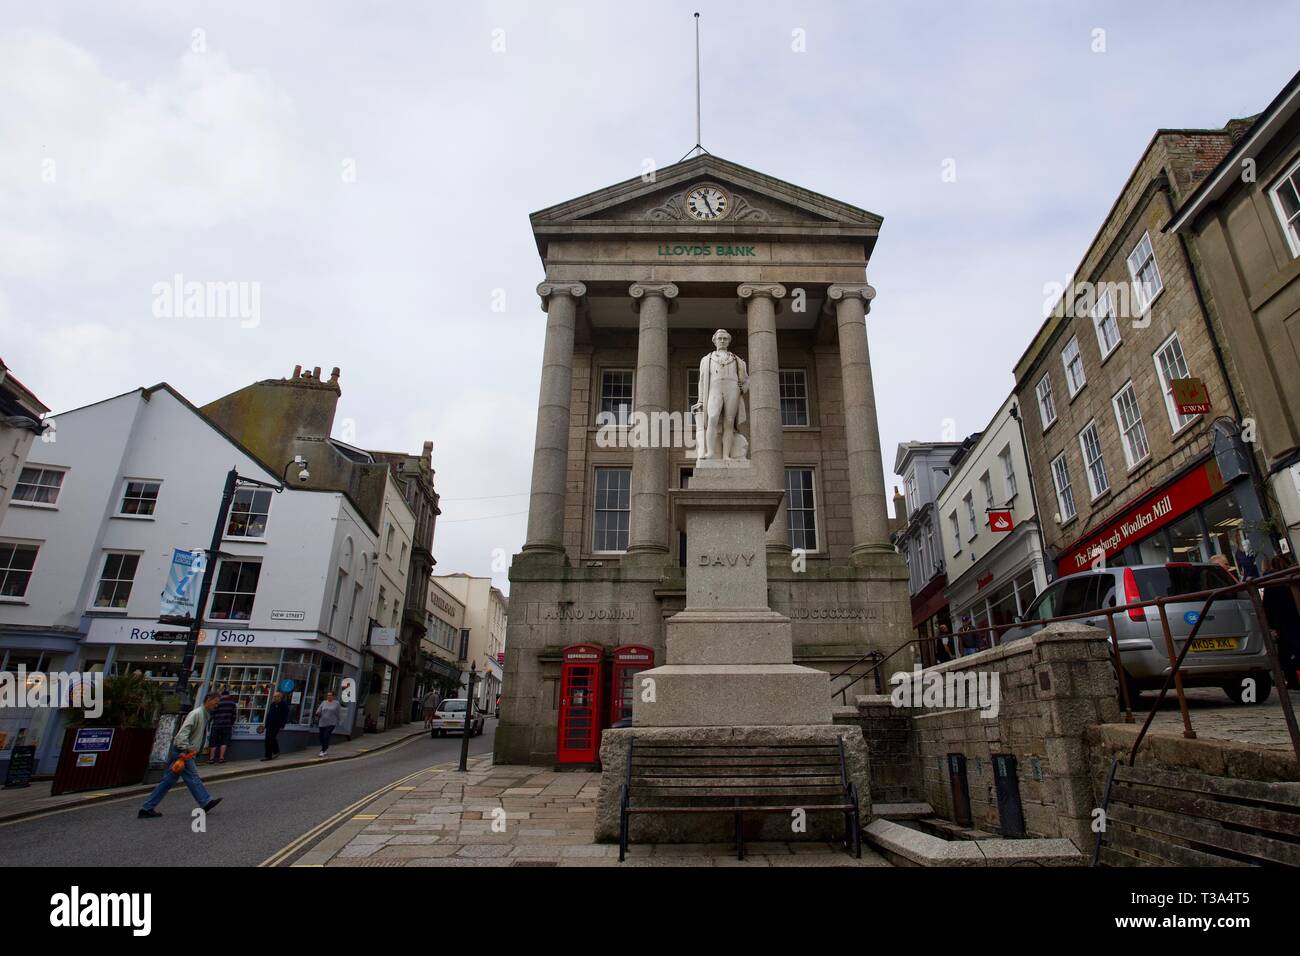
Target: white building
point(992, 574)
point(486, 615)
point(141, 474)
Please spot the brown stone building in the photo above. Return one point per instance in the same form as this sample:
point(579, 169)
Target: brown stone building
point(1119, 469)
point(638, 278)
point(1242, 224)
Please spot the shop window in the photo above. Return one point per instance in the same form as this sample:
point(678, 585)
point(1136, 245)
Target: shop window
point(1227, 533)
point(248, 513)
point(235, 589)
point(115, 580)
point(16, 564)
point(139, 498)
point(39, 486)
point(251, 685)
point(794, 397)
point(613, 509)
point(801, 508)
point(1186, 541)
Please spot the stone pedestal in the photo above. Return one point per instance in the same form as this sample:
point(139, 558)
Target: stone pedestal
point(730, 658)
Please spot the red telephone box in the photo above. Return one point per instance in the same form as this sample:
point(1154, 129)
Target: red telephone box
point(579, 728)
point(625, 663)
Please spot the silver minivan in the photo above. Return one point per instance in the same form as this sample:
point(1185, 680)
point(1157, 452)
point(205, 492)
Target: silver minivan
point(1228, 647)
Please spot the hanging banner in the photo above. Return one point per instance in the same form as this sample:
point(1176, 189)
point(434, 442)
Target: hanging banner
point(181, 596)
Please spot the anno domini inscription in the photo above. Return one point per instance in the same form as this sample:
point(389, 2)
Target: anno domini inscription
point(546, 613)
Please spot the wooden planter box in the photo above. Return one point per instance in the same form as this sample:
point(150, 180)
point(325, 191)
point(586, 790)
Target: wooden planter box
point(123, 763)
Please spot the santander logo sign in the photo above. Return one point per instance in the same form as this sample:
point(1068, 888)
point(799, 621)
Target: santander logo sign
point(1000, 521)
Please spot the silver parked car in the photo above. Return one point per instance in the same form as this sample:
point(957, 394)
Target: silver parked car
point(1228, 647)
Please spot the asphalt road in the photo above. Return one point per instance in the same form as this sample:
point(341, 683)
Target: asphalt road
point(258, 815)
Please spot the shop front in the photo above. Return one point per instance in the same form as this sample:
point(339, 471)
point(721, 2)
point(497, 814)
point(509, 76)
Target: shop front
point(999, 587)
point(250, 664)
point(1190, 518)
point(34, 650)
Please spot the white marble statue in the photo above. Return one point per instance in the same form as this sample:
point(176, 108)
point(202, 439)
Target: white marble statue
point(720, 411)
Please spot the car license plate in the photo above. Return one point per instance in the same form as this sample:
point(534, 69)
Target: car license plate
point(454, 723)
point(1215, 644)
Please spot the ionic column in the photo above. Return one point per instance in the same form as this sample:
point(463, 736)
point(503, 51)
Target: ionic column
point(551, 446)
point(649, 532)
point(862, 431)
point(766, 444)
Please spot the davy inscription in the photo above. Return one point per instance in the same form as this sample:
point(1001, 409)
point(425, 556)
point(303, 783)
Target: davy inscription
point(723, 560)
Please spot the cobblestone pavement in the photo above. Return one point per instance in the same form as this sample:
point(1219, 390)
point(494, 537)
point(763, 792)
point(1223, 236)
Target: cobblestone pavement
point(1215, 718)
point(445, 818)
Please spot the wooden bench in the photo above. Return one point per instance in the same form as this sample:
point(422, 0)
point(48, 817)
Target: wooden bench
point(738, 779)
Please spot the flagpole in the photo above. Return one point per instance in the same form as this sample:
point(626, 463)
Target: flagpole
point(698, 140)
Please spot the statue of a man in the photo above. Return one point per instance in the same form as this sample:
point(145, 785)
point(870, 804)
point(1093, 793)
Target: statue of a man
point(721, 410)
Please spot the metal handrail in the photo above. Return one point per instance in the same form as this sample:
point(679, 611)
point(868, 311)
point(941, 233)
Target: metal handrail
point(1289, 576)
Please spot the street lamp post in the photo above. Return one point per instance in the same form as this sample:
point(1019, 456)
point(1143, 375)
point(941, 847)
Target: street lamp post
point(469, 719)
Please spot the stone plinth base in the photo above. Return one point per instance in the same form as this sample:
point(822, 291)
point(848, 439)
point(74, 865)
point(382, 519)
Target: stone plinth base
point(732, 695)
point(758, 636)
point(720, 827)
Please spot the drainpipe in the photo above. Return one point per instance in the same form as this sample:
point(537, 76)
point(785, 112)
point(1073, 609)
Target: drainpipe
point(1048, 564)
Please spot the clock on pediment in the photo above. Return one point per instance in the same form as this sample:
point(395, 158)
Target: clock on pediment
point(707, 202)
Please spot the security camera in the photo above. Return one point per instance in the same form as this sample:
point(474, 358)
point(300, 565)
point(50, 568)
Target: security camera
point(304, 475)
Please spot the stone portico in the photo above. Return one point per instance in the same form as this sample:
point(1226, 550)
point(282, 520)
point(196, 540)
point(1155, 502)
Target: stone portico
point(635, 287)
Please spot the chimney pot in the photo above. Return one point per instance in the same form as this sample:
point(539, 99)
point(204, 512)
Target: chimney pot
point(315, 373)
point(334, 374)
point(297, 371)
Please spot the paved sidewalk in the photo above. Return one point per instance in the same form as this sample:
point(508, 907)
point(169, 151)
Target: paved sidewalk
point(28, 801)
point(1214, 717)
point(446, 818)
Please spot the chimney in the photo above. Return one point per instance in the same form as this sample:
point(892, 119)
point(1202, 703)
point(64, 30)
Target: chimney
point(315, 373)
point(297, 371)
point(900, 505)
point(334, 375)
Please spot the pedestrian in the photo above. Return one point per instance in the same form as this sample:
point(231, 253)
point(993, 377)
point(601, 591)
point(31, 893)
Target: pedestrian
point(1221, 560)
point(430, 704)
point(185, 745)
point(223, 727)
point(1284, 622)
point(970, 638)
point(943, 646)
point(328, 714)
point(277, 715)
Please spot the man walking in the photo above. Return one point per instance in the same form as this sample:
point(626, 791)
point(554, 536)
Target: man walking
point(223, 727)
point(430, 707)
point(187, 742)
point(277, 715)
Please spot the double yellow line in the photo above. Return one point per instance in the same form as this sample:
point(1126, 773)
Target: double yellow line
point(280, 856)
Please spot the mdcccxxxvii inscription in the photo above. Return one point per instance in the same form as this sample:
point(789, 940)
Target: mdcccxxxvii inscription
point(830, 613)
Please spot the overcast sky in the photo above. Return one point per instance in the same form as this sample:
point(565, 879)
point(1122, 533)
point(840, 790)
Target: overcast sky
point(371, 166)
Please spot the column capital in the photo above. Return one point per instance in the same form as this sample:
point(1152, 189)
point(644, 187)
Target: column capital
point(856, 290)
point(748, 290)
point(639, 290)
point(549, 288)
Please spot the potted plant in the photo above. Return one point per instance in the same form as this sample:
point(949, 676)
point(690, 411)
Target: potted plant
point(111, 748)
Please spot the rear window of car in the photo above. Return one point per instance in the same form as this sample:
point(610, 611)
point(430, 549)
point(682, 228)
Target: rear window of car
point(1179, 579)
point(449, 706)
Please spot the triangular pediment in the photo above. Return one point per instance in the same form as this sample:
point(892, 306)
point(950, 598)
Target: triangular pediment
point(752, 198)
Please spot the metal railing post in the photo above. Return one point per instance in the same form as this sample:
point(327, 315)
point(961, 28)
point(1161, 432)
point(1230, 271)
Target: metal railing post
point(1174, 661)
point(1279, 676)
point(1119, 668)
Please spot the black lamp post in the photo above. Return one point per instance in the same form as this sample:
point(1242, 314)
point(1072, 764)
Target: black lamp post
point(469, 719)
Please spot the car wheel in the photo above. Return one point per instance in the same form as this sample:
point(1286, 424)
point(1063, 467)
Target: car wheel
point(1236, 689)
